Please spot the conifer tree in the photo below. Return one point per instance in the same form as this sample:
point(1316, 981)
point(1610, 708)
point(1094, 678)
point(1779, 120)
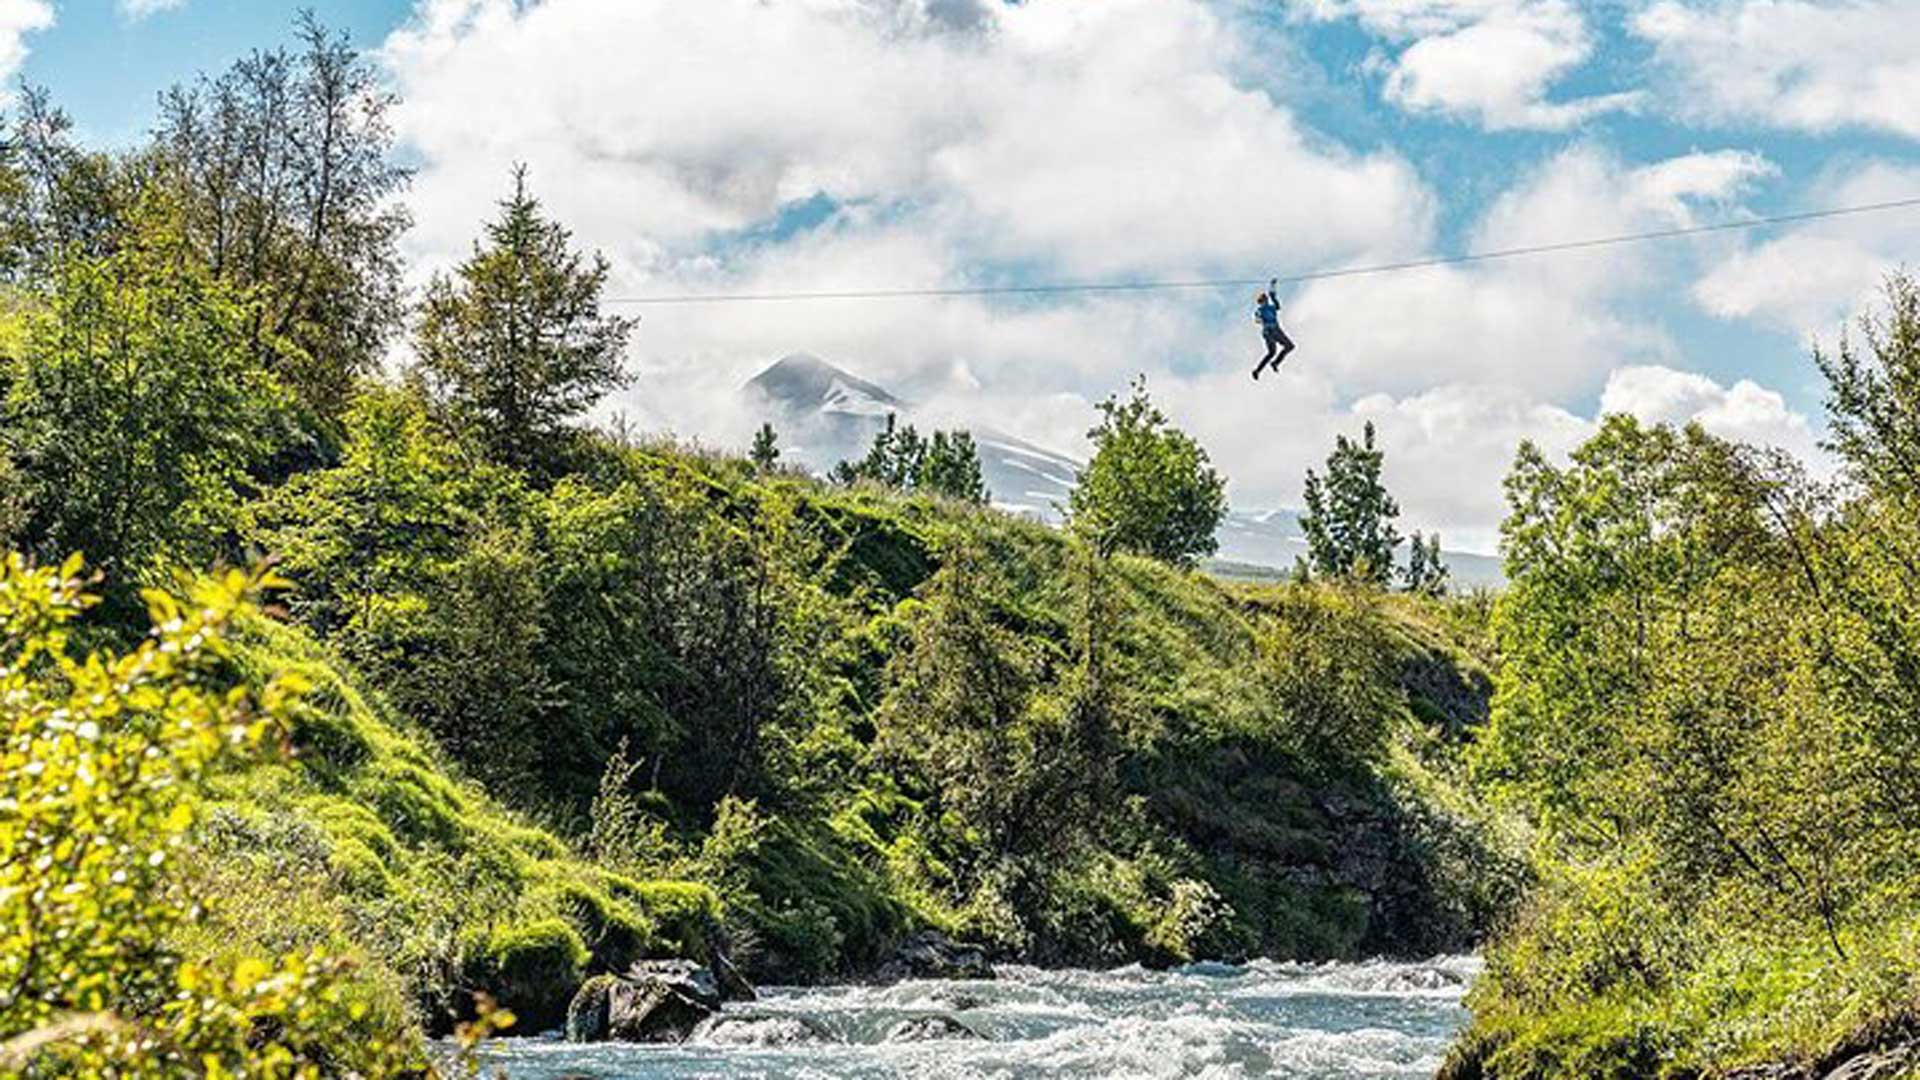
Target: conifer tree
point(765, 453)
point(1426, 573)
point(952, 468)
point(947, 464)
point(1350, 515)
point(513, 344)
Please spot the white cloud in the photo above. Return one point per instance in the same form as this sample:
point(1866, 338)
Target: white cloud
point(1086, 138)
point(18, 18)
point(1492, 61)
point(1791, 63)
point(1061, 139)
point(1552, 326)
point(1811, 277)
point(1744, 412)
point(140, 9)
point(980, 142)
point(1448, 448)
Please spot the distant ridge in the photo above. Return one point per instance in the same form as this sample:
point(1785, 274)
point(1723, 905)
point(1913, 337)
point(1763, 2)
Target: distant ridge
point(826, 414)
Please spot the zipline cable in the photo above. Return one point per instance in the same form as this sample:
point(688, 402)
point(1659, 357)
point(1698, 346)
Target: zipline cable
point(1294, 279)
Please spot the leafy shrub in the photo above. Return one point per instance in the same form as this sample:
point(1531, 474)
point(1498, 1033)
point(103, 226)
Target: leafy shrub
point(103, 763)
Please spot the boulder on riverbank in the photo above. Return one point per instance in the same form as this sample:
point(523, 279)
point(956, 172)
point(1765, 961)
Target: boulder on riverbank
point(656, 1001)
point(929, 954)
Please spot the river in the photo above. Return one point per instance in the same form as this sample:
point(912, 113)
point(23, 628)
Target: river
point(1323, 1021)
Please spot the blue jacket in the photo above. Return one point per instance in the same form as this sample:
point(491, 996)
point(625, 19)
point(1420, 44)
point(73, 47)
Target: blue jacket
point(1268, 314)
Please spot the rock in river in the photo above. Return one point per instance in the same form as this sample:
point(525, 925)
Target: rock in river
point(656, 1001)
point(726, 1029)
point(929, 1029)
point(928, 954)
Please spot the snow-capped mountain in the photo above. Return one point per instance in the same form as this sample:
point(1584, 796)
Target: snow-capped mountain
point(826, 414)
point(803, 383)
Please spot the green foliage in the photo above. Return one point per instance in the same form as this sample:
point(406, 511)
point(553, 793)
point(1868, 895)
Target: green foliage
point(135, 412)
point(1706, 705)
point(58, 200)
point(1426, 572)
point(513, 343)
point(1149, 488)
point(1875, 394)
point(1326, 655)
point(946, 465)
point(281, 173)
point(964, 709)
point(364, 538)
point(482, 683)
point(1349, 518)
point(103, 761)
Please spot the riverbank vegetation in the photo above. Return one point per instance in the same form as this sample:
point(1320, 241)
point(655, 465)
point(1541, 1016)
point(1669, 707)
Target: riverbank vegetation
point(1709, 703)
point(498, 702)
point(520, 702)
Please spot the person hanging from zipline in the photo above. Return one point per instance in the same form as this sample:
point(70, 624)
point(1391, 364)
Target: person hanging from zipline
point(1266, 312)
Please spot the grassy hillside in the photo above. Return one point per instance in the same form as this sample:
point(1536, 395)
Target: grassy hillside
point(1251, 770)
point(365, 841)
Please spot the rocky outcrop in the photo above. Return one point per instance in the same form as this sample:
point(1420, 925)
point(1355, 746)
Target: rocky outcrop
point(929, 1029)
point(929, 954)
point(656, 1001)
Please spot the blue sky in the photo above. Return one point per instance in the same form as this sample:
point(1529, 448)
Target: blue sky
point(106, 66)
point(805, 144)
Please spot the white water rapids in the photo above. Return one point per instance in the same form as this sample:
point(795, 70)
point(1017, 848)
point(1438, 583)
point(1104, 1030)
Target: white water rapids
point(1373, 1019)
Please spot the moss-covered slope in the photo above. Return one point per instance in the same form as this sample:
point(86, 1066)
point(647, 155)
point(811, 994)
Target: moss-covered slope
point(365, 842)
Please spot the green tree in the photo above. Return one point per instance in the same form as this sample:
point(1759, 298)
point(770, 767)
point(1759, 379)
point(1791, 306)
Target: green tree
point(283, 176)
point(963, 710)
point(57, 199)
point(1867, 568)
point(1706, 703)
point(136, 411)
point(482, 683)
point(1874, 395)
point(948, 464)
point(513, 344)
point(951, 468)
point(1426, 572)
point(765, 453)
point(1350, 515)
point(1149, 488)
point(363, 541)
point(1325, 658)
point(893, 459)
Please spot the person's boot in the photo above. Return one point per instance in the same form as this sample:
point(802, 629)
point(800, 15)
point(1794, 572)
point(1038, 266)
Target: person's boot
point(1257, 369)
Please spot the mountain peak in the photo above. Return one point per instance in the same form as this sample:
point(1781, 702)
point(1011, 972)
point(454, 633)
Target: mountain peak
point(802, 382)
